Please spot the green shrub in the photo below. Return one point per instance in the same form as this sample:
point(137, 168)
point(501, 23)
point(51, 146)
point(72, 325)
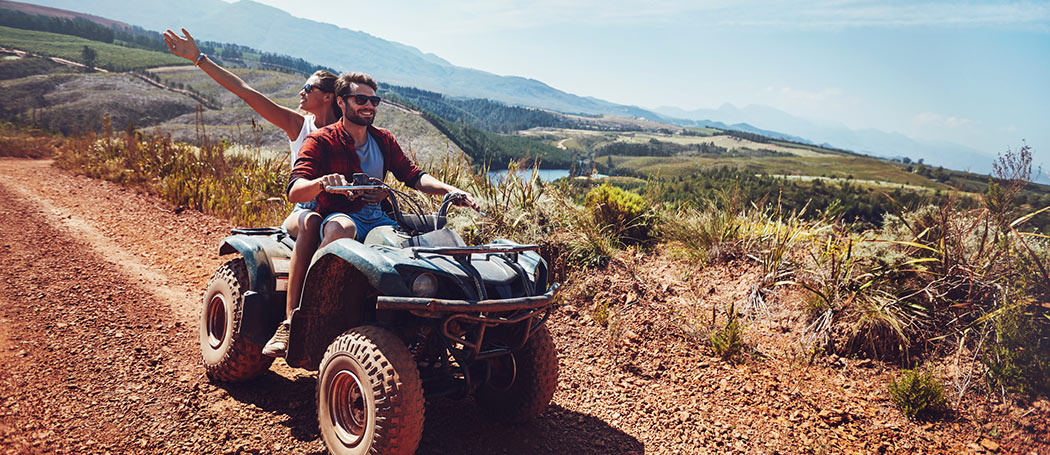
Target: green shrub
point(916, 392)
point(1019, 359)
point(728, 341)
point(621, 211)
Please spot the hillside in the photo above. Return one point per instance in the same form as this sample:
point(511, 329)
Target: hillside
point(53, 97)
point(273, 30)
point(62, 98)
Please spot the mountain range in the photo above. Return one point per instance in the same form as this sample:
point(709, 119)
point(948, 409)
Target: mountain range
point(273, 30)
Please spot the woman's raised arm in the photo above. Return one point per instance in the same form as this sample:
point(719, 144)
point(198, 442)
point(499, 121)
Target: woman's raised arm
point(286, 119)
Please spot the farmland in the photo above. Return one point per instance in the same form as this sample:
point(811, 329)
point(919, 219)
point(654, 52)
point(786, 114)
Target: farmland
point(68, 47)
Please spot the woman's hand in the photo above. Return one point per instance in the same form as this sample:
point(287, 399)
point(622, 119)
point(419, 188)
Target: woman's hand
point(183, 47)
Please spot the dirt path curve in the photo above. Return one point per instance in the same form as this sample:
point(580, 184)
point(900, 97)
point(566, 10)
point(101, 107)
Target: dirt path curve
point(98, 340)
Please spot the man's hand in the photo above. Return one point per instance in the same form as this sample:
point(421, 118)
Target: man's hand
point(464, 199)
point(332, 180)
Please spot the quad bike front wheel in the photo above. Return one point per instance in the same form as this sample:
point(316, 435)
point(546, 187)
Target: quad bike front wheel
point(369, 395)
point(228, 356)
point(521, 384)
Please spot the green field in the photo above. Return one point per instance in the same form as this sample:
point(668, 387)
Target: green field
point(805, 160)
point(69, 47)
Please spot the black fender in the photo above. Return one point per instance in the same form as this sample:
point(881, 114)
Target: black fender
point(339, 293)
point(264, 306)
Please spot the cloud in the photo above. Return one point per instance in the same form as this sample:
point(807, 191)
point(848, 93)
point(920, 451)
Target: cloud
point(932, 120)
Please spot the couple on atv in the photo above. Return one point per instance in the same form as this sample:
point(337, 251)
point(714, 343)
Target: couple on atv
point(333, 140)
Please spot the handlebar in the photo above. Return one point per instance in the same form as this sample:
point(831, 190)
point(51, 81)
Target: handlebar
point(362, 182)
point(355, 188)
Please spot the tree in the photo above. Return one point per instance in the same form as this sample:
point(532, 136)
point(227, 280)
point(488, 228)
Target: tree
point(88, 56)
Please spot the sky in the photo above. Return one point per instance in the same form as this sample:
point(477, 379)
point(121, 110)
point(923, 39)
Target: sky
point(975, 73)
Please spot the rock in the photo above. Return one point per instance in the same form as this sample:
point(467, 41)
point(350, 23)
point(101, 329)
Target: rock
point(990, 445)
point(833, 418)
point(631, 298)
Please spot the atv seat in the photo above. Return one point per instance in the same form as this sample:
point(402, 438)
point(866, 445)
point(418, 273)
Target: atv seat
point(389, 236)
point(421, 224)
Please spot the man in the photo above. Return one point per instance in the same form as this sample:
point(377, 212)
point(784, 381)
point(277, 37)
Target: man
point(331, 155)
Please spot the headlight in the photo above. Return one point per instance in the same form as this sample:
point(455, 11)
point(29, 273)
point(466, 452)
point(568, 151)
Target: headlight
point(424, 285)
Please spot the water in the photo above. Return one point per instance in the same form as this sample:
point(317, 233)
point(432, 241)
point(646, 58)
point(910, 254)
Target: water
point(546, 175)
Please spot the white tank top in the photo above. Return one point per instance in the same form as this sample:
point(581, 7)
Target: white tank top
point(308, 127)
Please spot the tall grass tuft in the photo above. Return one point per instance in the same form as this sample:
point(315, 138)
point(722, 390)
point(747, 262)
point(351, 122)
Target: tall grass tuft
point(712, 235)
point(26, 142)
point(241, 185)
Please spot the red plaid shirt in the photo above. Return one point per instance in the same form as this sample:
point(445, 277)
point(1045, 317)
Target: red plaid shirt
point(331, 150)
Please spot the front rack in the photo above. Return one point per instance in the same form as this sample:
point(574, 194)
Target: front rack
point(468, 250)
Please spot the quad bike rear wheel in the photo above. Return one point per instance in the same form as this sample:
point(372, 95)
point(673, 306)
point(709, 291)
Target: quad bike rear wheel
point(521, 384)
point(228, 356)
point(369, 395)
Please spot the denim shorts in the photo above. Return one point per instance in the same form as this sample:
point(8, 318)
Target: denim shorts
point(364, 223)
point(312, 205)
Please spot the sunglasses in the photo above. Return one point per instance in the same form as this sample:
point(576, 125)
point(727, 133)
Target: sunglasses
point(308, 87)
point(364, 99)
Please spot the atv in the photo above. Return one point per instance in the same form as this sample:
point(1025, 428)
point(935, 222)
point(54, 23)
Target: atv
point(410, 314)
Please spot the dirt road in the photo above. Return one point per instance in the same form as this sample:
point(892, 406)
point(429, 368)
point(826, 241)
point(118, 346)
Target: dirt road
point(98, 340)
point(99, 294)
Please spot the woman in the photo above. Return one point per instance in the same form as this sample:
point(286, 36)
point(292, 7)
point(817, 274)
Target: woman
point(317, 99)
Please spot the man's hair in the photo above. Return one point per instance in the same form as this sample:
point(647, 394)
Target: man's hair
point(326, 83)
point(344, 84)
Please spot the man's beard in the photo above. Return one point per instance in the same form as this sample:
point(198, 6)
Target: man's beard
point(358, 120)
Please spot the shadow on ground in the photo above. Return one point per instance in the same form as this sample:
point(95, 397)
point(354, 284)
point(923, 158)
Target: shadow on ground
point(459, 427)
point(274, 393)
point(451, 426)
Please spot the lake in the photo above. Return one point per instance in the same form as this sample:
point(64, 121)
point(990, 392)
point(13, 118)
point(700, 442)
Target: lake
point(546, 175)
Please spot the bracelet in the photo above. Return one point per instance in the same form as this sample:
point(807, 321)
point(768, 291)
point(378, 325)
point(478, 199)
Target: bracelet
point(200, 58)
